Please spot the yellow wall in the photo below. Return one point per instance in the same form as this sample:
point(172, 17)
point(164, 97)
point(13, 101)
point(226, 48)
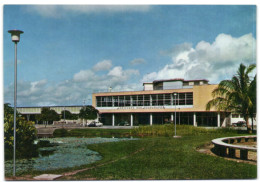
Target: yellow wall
point(201, 95)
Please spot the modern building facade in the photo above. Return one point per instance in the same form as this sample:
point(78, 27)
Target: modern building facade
point(158, 103)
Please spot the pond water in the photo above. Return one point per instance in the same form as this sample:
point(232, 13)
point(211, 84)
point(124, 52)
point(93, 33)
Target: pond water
point(67, 152)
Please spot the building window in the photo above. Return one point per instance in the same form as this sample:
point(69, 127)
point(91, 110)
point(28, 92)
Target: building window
point(154, 100)
point(167, 99)
point(189, 98)
point(115, 99)
point(134, 100)
point(160, 100)
point(140, 100)
point(99, 102)
point(121, 101)
point(127, 100)
point(145, 100)
point(181, 98)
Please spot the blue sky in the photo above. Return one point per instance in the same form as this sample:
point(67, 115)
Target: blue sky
point(68, 52)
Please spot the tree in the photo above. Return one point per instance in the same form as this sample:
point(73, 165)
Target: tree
point(68, 115)
point(48, 115)
point(25, 135)
point(237, 95)
point(252, 95)
point(88, 112)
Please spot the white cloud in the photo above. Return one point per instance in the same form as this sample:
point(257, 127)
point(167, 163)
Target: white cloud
point(73, 91)
point(103, 65)
point(213, 61)
point(84, 75)
point(58, 11)
point(137, 61)
point(116, 71)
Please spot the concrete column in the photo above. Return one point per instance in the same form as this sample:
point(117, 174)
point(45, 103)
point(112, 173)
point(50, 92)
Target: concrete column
point(151, 119)
point(218, 119)
point(194, 119)
point(113, 119)
point(131, 120)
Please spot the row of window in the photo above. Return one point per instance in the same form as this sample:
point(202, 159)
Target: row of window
point(145, 100)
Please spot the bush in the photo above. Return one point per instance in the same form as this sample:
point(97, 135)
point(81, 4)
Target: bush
point(60, 133)
point(183, 130)
point(44, 143)
point(25, 135)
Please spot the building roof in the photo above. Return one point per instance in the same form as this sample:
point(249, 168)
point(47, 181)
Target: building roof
point(147, 83)
point(178, 79)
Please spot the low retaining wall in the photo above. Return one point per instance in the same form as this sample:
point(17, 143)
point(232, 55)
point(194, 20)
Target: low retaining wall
point(224, 147)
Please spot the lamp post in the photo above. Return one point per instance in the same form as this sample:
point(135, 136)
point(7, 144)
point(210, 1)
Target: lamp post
point(15, 35)
point(64, 114)
point(84, 109)
point(175, 95)
point(179, 116)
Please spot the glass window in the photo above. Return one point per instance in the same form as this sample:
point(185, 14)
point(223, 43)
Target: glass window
point(140, 100)
point(115, 98)
point(127, 100)
point(147, 100)
point(109, 101)
point(167, 99)
point(189, 98)
point(98, 101)
point(134, 100)
point(160, 100)
point(121, 101)
point(154, 100)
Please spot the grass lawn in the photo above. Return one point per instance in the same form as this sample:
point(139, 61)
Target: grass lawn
point(164, 158)
point(160, 156)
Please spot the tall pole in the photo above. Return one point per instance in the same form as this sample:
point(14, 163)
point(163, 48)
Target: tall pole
point(15, 95)
point(64, 113)
point(83, 109)
point(179, 117)
point(175, 94)
point(15, 35)
point(175, 116)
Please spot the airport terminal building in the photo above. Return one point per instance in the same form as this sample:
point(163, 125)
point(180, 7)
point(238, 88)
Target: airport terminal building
point(158, 103)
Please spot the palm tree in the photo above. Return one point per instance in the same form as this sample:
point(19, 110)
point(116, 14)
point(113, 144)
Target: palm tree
point(237, 95)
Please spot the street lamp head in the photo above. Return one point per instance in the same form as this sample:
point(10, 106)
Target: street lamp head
point(15, 34)
point(175, 93)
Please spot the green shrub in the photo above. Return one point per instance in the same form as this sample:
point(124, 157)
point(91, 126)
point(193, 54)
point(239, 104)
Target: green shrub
point(25, 135)
point(60, 133)
point(43, 143)
point(183, 130)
